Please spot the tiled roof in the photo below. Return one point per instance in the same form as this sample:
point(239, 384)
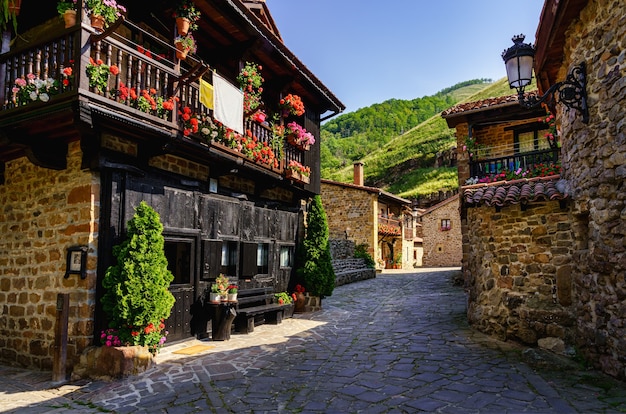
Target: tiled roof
point(482, 104)
point(374, 190)
point(503, 193)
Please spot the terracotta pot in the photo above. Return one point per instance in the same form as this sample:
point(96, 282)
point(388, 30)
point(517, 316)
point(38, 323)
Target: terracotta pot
point(69, 17)
point(14, 6)
point(97, 22)
point(181, 52)
point(182, 25)
point(299, 304)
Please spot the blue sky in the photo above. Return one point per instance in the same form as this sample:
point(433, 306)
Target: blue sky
point(368, 51)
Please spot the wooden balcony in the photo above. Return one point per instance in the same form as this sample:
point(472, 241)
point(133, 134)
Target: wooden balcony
point(389, 227)
point(44, 124)
point(526, 161)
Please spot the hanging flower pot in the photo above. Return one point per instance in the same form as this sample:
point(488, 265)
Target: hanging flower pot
point(98, 22)
point(182, 25)
point(184, 45)
point(69, 17)
point(181, 51)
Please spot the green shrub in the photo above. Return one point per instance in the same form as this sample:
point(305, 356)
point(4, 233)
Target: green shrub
point(137, 299)
point(315, 262)
point(360, 252)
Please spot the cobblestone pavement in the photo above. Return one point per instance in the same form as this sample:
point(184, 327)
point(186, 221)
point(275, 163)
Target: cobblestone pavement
point(395, 344)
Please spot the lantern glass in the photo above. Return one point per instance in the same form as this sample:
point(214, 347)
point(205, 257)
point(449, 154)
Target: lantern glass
point(519, 70)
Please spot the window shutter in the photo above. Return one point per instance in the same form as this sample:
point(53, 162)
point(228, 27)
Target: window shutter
point(211, 258)
point(248, 259)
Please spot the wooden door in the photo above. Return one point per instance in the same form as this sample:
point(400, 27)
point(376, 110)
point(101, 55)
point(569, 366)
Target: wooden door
point(181, 262)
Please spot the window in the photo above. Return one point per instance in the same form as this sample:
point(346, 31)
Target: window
point(229, 258)
point(445, 225)
point(262, 258)
point(286, 256)
point(179, 254)
point(528, 141)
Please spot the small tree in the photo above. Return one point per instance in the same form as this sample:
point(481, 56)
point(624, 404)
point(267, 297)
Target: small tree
point(316, 269)
point(137, 300)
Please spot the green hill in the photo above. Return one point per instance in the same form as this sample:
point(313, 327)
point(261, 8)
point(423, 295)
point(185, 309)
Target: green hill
point(397, 147)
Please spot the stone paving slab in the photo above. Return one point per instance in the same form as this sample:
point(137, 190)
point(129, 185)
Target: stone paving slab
point(398, 343)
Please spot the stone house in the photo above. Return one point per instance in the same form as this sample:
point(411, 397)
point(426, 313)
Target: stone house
point(370, 216)
point(74, 166)
point(441, 234)
point(545, 257)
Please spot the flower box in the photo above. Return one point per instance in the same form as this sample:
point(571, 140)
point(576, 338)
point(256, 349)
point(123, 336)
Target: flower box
point(297, 176)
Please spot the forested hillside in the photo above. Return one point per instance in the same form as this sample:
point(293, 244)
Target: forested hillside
point(398, 140)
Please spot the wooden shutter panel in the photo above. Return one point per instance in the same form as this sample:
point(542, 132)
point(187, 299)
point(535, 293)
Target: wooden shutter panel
point(248, 259)
point(211, 258)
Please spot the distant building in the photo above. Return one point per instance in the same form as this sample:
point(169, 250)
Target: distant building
point(371, 216)
point(441, 234)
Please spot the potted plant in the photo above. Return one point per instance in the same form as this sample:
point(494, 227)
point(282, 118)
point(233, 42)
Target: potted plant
point(103, 12)
point(67, 11)
point(186, 16)
point(98, 74)
point(214, 294)
point(291, 105)
point(283, 298)
point(222, 284)
point(232, 293)
point(137, 299)
point(184, 45)
point(251, 83)
point(33, 89)
point(298, 298)
point(299, 137)
point(298, 172)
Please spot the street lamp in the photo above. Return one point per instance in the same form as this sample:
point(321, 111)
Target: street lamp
point(571, 92)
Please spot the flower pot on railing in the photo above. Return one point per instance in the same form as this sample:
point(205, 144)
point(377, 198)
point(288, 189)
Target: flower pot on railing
point(69, 17)
point(292, 139)
point(181, 51)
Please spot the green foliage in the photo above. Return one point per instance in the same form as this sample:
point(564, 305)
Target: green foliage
point(315, 262)
point(8, 18)
point(137, 299)
point(360, 251)
point(284, 297)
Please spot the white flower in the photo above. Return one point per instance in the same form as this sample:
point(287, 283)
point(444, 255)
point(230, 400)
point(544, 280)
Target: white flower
point(44, 97)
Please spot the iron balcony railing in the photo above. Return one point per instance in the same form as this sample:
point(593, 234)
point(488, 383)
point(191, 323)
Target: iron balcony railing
point(525, 161)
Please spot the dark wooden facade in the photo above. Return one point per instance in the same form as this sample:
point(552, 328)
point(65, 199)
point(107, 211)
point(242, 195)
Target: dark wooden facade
point(240, 210)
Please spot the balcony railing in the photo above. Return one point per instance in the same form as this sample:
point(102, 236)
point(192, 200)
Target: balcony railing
point(138, 69)
point(389, 227)
point(525, 161)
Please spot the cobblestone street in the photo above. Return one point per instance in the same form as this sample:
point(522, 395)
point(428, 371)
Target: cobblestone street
point(395, 344)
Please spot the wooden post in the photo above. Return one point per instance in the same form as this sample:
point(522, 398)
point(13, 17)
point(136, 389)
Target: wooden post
point(60, 338)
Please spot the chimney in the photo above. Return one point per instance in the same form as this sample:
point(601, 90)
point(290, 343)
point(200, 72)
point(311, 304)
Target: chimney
point(358, 173)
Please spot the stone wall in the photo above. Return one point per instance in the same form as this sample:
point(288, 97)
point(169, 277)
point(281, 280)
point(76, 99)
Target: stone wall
point(43, 212)
point(442, 248)
point(519, 275)
point(348, 269)
point(594, 162)
point(352, 209)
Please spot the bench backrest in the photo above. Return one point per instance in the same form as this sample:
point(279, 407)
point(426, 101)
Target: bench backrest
point(254, 297)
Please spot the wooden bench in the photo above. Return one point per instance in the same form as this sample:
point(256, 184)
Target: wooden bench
point(254, 307)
